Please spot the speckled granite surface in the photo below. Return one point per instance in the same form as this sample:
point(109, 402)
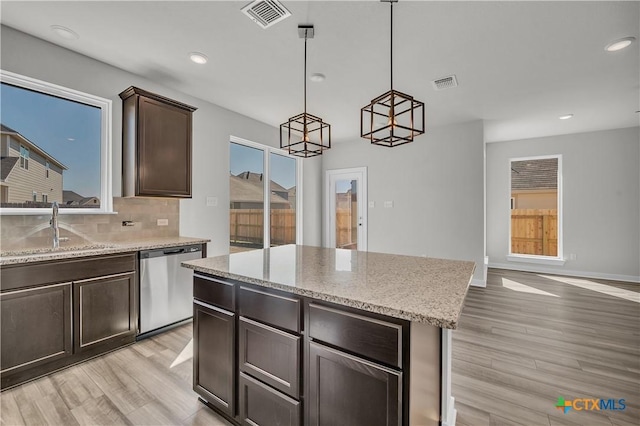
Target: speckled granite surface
point(413, 288)
point(67, 252)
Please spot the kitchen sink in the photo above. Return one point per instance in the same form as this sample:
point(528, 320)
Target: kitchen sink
point(45, 250)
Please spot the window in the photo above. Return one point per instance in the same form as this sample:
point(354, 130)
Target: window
point(34, 196)
point(263, 179)
point(535, 208)
point(24, 157)
point(60, 140)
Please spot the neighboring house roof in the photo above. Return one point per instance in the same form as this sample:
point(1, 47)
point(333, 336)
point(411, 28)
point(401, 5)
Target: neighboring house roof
point(70, 196)
point(534, 174)
point(250, 190)
point(9, 131)
point(6, 166)
point(256, 178)
point(73, 198)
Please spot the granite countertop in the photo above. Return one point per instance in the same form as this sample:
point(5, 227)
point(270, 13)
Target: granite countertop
point(417, 289)
point(96, 249)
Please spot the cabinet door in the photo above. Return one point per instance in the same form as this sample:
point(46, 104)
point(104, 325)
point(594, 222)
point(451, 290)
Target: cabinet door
point(346, 390)
point(164, 149)
point(260, 405)
point(105, 310)
point(36, 326)
point(214, 355)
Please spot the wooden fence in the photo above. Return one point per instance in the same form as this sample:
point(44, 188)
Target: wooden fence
point(346, 229)
point(534, 231)
point(246, 226)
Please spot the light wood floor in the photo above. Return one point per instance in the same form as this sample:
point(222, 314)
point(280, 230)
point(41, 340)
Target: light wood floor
point(131, 386)
point(518, 349)
point(514, 354)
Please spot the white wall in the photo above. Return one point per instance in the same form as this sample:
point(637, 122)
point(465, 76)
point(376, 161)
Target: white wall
point(601, 201)
point(436, 185)
point(212, 126)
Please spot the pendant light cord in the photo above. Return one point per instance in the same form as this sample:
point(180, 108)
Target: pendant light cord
point(305, 73)
point(391, 48)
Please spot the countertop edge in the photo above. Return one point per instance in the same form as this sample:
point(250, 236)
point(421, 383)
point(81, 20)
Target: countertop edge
point(448, 323)
point(113, 249)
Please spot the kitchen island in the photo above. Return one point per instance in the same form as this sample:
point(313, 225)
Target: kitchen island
point(307, 335)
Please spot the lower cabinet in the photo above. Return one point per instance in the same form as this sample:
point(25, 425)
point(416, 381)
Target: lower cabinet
point(347, 390)
point(103, 310)
point(262, 405)
point(57, 313)
point(298, 360)
point(36, 327)
point(214, 356)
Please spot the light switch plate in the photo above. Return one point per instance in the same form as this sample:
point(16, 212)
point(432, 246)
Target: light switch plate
point(163, 222)
point(372, 204)
point(388, 204)
point(212, 201)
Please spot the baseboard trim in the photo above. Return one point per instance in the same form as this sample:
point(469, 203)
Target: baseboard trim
point(570, 273)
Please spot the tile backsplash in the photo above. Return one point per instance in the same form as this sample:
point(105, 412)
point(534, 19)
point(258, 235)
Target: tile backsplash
point(33, 231)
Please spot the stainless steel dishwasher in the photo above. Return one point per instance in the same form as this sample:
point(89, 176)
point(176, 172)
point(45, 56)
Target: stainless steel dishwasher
point(166, 288)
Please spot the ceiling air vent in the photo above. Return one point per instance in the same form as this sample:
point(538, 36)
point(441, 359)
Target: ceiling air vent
point(445, 82)
point(265, 13)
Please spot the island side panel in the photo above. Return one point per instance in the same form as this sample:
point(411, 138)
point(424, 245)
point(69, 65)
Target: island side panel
point(425, 376)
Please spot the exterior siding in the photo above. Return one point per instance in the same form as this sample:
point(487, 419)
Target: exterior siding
point(22, 183)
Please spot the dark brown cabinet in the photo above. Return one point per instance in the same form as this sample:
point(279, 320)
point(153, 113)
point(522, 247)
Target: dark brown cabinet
point(261, 405)
point(270, 355)
point(36, 326)
point(156, 145)
point(214, 353)
point(347, 390)
point(103, 310)
point(57, 313)
point(299, 360)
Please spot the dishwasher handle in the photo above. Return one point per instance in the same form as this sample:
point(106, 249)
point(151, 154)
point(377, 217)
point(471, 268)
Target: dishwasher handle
point(148, 254)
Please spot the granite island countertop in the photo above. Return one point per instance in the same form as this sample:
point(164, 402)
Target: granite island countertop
point(417, 289)
point(95, 249)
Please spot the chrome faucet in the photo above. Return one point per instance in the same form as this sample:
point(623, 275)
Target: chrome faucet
point(54, 225)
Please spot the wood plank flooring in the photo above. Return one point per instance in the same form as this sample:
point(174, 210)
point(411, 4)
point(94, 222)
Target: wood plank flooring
point(527, 339)
point(518, 348)
point(131, 386)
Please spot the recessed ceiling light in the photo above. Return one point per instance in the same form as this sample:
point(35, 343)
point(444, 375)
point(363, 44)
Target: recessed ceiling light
point(198, 58)
point(565, 117)
point(619, 44)
point(65, 32)
point(317, 77)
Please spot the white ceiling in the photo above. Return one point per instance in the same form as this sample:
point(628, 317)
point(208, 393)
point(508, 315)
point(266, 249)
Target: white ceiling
point(519, 65)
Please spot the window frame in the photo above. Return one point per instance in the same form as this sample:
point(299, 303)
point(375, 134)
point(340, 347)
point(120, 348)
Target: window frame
point(106, 106)
point(557, 260)
point(24, 157)
point(268, 150)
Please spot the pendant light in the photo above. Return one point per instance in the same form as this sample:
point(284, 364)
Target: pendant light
point(305, 135)
point(393, 118)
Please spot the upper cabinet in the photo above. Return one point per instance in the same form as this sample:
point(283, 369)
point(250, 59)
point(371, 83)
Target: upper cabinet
point(156, 145)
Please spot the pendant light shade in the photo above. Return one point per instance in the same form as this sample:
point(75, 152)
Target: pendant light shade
point(393, 118)
point(305, 135)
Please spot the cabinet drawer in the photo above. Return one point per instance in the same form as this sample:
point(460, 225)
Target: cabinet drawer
point(214, 292)
point(260, 405)
point(270, 355)
point(272, 308)
point(372, 338)
point(31, 275)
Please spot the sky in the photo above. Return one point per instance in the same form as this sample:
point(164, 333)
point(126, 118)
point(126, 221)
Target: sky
point(69, 131)
point(245, 158)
